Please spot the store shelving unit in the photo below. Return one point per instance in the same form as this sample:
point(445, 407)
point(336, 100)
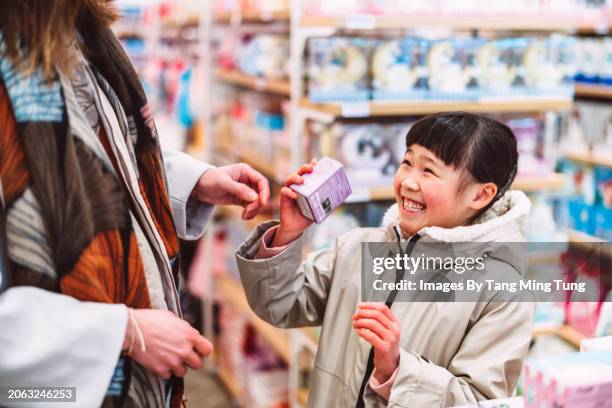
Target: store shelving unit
point(590, 158)
point(238, 78)
point(594, 92)
point(301, 28)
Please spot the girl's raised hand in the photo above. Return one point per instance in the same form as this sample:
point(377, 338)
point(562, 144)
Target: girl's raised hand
point(292, 222)
point(376, 324)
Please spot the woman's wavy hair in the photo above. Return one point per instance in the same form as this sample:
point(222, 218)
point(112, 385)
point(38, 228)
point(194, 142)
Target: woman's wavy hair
point(38, 33)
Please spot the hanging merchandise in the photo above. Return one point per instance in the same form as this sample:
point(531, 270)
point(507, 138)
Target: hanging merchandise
point(338, 69)
point(398, 68)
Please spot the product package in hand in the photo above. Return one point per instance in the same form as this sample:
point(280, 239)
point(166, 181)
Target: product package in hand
point(323, 190)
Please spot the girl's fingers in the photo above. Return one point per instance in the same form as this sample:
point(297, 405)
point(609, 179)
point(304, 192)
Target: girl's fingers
point(194, 361)
point(371, 338)
point(313, 162)
point(306, 168)
point(374, 326)
point(376, 315)
point(294, 179)
point(286, 191)
point(380, 307)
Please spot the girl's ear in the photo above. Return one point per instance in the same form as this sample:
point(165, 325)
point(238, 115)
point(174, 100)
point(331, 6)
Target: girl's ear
point(484, 194)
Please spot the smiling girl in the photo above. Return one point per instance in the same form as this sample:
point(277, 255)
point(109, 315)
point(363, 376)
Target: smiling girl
point(451, 187)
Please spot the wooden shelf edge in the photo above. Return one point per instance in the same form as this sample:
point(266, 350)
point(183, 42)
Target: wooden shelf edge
point(373, 108)
point(590, 159)
point(508, 22)
point(276, 338)
point(302, 397)
point(594, 91)
point(252, 16)
point(229, 381)
point(235, 77)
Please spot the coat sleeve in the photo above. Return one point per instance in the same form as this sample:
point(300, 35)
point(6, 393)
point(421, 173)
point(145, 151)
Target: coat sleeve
point(190, 215)
point(284, 290)
point(487, 365)
point(49, 339)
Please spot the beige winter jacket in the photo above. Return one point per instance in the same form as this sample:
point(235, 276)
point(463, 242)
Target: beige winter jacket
point(451, 353)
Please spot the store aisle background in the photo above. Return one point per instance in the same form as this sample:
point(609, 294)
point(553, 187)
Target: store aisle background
point(221, 78)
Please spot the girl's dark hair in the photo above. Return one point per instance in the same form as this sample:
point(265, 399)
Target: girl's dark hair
point(485, 147)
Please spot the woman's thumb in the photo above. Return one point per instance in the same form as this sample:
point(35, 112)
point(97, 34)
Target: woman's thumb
point(241, 191)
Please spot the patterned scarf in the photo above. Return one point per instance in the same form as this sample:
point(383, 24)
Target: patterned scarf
point(70, 227)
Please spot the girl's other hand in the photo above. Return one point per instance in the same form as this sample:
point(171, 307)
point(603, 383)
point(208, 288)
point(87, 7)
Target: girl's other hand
point(376, 324)
point(292, 222)
point(172, 345)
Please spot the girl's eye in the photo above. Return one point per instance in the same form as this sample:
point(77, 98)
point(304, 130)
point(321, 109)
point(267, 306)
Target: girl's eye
point(407, 163)
point(428, 170)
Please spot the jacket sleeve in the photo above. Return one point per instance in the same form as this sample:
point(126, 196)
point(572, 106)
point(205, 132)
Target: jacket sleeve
point(284, 290)
point(487, 365)
point(190, 215)
point(49, 339)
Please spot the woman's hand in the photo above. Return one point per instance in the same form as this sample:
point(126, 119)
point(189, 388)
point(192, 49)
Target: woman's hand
point(171, 343)
point(292, 222)
point(376, 324)
point(236, 184)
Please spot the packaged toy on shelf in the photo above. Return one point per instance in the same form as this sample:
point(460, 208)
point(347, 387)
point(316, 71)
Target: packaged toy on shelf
point(528, 137)
point(497, 67)
point(338, 69)
point(451, 69)
point(265, 55)
point(398, 68)
point(548, 66)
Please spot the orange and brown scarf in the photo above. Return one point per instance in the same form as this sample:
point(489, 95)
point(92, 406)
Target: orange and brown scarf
point(69, 228)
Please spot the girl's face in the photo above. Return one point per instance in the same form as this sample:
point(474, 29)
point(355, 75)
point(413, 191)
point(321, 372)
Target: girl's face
point(427, 192)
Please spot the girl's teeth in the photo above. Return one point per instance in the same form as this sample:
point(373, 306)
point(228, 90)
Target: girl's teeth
point(412, 206)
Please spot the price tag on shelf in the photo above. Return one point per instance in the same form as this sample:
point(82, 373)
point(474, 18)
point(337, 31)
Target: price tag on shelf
point(360, 22)
point(261, 84)
point(355, 109)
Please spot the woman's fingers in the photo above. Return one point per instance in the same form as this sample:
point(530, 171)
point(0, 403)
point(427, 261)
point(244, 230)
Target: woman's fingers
point(194, 360)
point(202, 346)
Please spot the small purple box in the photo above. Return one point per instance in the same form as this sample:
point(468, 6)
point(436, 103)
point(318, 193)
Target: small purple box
point(324, 190)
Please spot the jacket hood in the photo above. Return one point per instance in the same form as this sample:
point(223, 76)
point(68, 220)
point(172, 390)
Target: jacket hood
point(501, 226)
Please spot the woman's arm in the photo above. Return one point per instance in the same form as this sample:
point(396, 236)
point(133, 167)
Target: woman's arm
point(49, 339)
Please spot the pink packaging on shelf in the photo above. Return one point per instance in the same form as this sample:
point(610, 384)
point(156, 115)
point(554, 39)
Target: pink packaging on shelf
point(324, 190)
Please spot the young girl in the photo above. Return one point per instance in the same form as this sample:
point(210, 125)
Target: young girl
point(451, 187)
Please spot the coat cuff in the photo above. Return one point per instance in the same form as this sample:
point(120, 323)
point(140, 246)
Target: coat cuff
point(265, 250)
point(190, 215)
point(384, 389)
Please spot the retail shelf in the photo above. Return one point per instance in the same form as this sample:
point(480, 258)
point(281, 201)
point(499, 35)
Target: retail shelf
point(590, 244)
point(257, 84)
point(302, 397)
point(552, 181)
point(252, 16)
point(509, 22)
point(594, 91)
point(229, 381)
point(371, 108)
point(277, 339)
point(590, 159)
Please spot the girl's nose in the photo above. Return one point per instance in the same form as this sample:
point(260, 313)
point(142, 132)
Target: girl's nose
point(410, 184)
